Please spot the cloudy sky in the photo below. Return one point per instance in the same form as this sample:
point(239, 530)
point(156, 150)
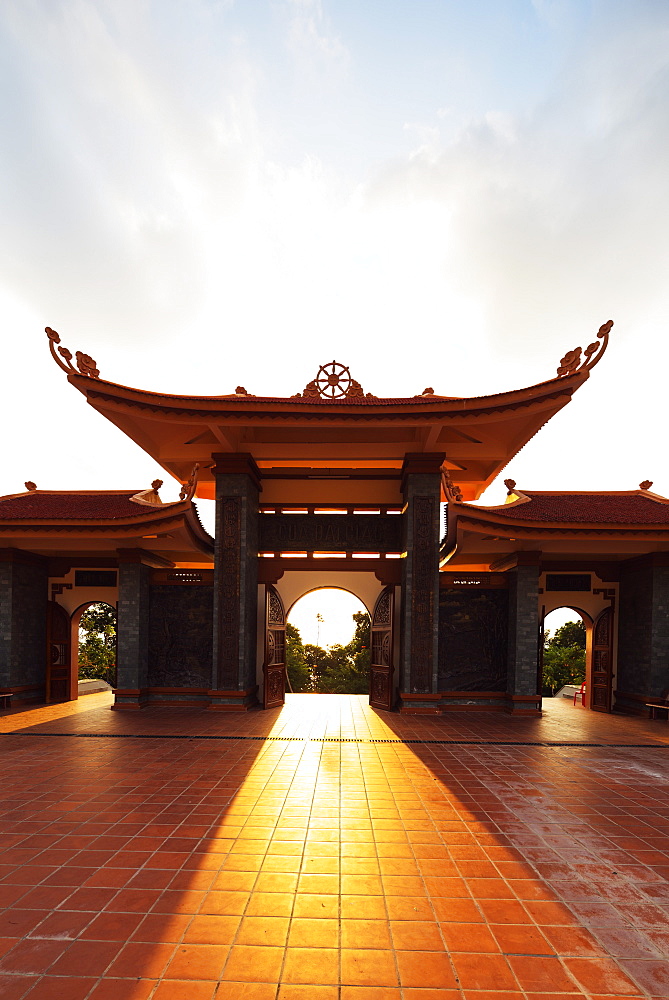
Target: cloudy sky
point(435, 192)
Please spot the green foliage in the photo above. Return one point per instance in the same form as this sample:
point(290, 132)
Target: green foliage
point(337, 670)
point(569, 634)
point(97, 643)
point(564, 657)
point(299, 675)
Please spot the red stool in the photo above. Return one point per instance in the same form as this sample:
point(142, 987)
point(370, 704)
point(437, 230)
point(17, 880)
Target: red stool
point(581, 693)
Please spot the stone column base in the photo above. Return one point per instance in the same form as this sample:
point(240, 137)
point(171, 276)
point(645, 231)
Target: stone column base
point(523, 705)
point(130, 699)
point(233, 701)
point(452, 701)
point(630, 703)
point(25, 694)
point(186, 697)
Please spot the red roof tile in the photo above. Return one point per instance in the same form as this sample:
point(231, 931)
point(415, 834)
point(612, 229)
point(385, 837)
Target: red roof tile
point(41, 505)
point(586, 508)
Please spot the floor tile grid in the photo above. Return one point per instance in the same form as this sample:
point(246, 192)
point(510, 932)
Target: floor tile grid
point(341, 716)
point(633, 904)
point(303, 790)
point(129, 872)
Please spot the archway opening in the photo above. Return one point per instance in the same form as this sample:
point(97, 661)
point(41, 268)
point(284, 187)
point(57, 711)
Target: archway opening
point(565, 650)
point(94, 632)
point(328, 643)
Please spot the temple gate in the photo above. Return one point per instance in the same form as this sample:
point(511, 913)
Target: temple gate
point(332, 484)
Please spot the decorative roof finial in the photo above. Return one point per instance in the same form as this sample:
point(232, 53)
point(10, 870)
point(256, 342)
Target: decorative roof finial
point(188, 489)
point(571, 362)
point(30, 486)
point(451, 490)
point(333, 381)
point(646, 484)
point(85, 362)
point(156, 484)
point(510, 485)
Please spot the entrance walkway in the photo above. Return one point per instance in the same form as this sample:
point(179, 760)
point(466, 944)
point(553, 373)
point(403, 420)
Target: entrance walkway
point(336, 855)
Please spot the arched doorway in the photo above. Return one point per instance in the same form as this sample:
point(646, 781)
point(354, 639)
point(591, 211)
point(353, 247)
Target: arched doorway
point(565, 648)
point(328, 643)
point(93, 631)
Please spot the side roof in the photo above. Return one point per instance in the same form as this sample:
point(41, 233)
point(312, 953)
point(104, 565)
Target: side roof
point(565, 525)
point(80, 505)
point(594, 508)
point(44, 521)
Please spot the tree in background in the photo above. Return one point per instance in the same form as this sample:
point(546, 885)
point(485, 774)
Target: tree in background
point(343, 669)
point(569, 634)
point(97, 643)
point(297, 669)
point(564, 657)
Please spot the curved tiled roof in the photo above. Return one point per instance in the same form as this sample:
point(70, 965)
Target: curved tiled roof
point(43, 505)
point(634, 507)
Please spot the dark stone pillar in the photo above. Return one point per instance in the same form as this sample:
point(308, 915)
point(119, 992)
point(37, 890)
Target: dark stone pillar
point(132, 631)
point(522, 677)
point(643, 632)
point(23, 611)
point(419, 641)
point(234, 685)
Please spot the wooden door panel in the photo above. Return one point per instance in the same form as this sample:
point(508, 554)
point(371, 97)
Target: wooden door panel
point(274, 668)
point(602, 654)
point(57, 654)
point(381, 690)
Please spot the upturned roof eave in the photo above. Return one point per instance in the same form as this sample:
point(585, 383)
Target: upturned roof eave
point(509, 525)
point(257, 406)
point(185, 517)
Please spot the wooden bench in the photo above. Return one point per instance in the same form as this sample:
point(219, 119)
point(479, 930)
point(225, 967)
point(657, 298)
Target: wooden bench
point(6, 699)
point(661, 704)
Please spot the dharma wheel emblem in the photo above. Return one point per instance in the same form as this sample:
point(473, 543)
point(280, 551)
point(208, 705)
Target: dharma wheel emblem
point(333, 382)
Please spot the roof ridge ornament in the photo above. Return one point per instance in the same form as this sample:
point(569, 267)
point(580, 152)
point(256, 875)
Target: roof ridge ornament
point(451, 489)
point(333, 381)
point(571, 362)
point(188, 489)
point(85, 363)
point(645, 485)
point(150, 497)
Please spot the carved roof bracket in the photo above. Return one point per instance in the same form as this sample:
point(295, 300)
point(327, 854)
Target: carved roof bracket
point(85, 363)
point(188, 489)
point(572, 361)
point(451, 490)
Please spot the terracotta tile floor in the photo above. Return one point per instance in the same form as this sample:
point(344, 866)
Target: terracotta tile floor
point(311, 862)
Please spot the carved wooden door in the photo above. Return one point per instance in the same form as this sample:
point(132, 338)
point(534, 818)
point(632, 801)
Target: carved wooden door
point(540, 652)
point(57, 654)
point(381, 693)
point(600, 697)
point(274, 668)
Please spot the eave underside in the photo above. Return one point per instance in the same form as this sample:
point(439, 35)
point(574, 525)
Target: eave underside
point(173, 540)
point(478, 437)
point(484, 544)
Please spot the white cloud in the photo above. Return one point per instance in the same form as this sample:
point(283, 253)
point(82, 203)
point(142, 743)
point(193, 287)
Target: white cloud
point(160, 216)
point(312, 38)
